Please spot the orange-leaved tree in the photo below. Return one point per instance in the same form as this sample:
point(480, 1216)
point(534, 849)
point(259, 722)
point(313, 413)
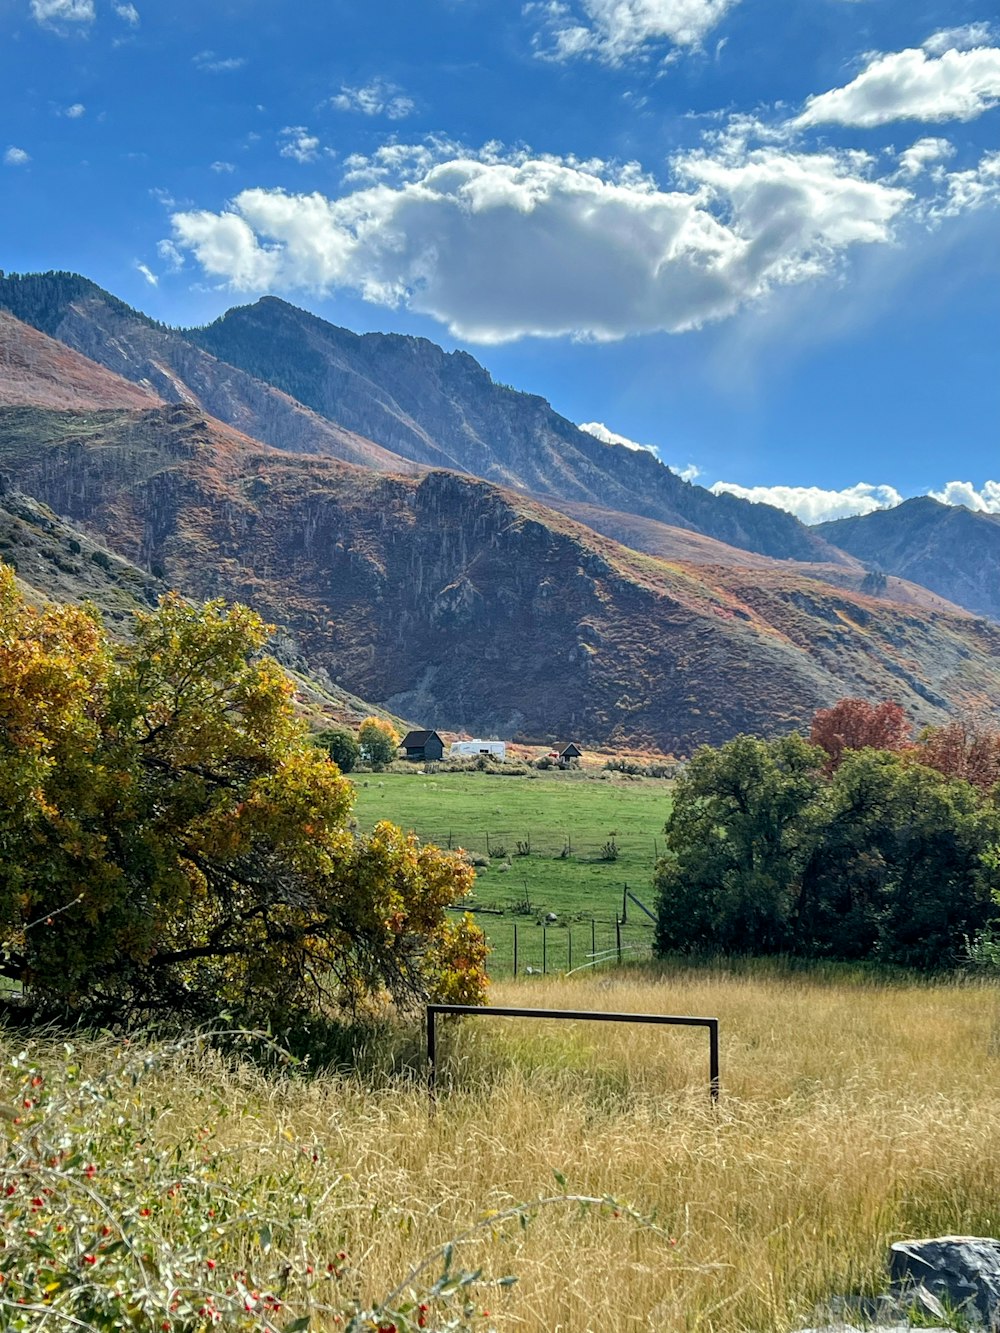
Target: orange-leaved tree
point(962, 749)
point(855, 724)
point(169, 838)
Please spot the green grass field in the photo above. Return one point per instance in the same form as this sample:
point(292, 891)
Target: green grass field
point(565, 842)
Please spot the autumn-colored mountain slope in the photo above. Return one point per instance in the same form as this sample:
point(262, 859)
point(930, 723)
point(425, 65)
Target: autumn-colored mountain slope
point(462, 605)
point(680, 544)
point(945, 547)
point(38, 371)
point(80, 314)
point(423, 407)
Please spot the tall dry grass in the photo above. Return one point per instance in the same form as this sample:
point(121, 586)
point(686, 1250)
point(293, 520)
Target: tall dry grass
point(851, 1115)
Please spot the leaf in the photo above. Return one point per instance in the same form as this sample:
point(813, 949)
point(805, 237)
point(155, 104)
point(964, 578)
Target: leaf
point(298, 1325)
point(560, 1179)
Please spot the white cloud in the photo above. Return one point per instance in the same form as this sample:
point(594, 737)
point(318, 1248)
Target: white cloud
point(601, 432)
point(377, 98)
point(128, 14)
point(223, 167)
point(75, 111)
point(54, 13)
point(812, 504)
point(498, 247)
point(910, 85)
point(614, 31)
point(147, 273)
point(16, 157)
point(212, 64)
point(923, 154)
point(170, 255)
point(299, 144)
point(970, 189)
point(985, 501)
point(964, 38)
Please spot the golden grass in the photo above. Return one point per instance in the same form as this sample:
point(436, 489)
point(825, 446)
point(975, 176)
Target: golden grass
point(851, 1115)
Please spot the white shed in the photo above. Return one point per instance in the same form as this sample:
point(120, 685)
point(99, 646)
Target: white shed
point(498, 749)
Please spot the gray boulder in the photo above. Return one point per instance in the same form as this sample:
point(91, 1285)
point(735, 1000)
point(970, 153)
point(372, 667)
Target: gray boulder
point(961, 1274)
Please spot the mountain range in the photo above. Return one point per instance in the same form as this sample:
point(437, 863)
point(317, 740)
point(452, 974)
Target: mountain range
point(448, 548)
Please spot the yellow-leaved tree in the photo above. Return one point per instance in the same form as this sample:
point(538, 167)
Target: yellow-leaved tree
point(169, 839)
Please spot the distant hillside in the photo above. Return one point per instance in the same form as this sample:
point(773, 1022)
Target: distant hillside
point(465, 606)
point(392, 403)
point(945, 547)
point(170, 368)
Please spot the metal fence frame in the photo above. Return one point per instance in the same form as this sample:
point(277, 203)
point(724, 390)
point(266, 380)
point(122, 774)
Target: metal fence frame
point(590, 1015)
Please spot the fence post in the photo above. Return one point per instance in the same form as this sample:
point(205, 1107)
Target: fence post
point(515, 948)
point(618, 937)
point(593, 937)
point(625, 904)
point(545, 950)
point(569, 949)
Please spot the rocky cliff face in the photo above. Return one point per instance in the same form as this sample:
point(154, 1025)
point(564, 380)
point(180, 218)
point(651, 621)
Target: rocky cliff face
point(945, 547)
point(463, 605)
point(443, 409)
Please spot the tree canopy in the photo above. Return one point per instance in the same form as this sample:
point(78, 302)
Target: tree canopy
point(884, 858)
point(169, 837)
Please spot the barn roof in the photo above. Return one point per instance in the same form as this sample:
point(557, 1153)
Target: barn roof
point(413, 740)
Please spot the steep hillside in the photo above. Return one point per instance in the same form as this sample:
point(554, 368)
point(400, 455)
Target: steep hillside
point(169, 367)
point(444, 409)
point(301, 384)
point(945, 547)
point(38, 371)
point(465, 606)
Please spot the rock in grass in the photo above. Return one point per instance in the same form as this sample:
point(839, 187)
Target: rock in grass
point(961, 1274)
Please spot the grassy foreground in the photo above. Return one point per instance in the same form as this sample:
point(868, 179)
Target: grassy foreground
point(852, 1115)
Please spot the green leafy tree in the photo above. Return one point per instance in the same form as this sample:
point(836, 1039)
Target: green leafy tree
point(882, 859)
point(736, 842)
point(379, 741)
point(169, 838)
point(341, 745)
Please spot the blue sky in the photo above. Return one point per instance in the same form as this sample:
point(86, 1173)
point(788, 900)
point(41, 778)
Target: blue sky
point(759, 236)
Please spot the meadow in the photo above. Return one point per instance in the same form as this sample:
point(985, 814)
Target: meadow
point(563, 842)
point(854, 1112)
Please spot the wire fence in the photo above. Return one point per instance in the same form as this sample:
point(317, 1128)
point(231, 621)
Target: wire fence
point(509, 844)
point(524, 947)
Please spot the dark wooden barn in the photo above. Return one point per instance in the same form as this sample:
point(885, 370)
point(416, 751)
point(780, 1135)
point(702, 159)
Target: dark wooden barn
point(421, 746)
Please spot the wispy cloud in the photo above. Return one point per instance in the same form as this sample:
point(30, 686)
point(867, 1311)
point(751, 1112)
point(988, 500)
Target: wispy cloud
point(16, 157)
point(147, 273)
point(223, 167)
point(57, 14)
point(928, 152)
point(210, 63)
point(377, 98)
point(298, 144)
point(615, 31)
point(128, 14)
point(75, 111)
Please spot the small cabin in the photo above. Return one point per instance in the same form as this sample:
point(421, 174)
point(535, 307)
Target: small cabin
point(571, 751)
point(423, 746)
